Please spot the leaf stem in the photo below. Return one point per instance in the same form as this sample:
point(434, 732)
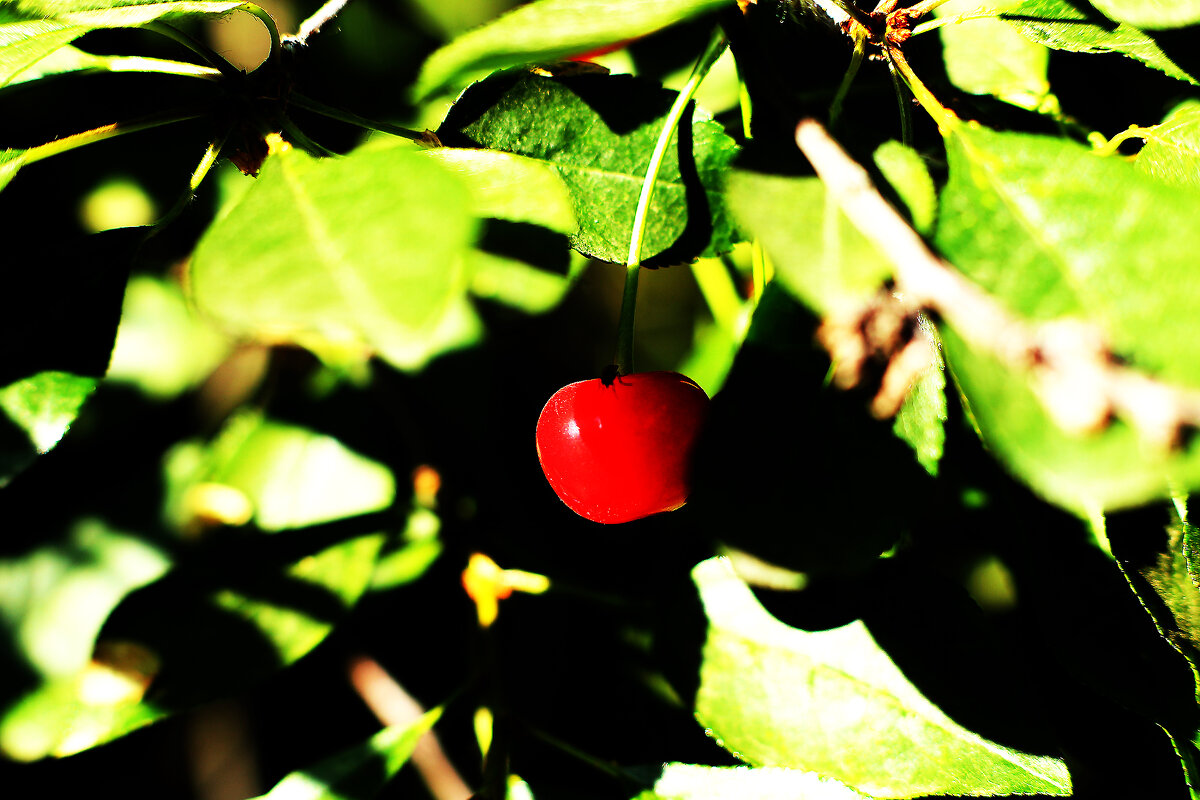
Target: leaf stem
point(198, 47)
point(934, 24)
point(317, 107)
point(901, 93)
point(211, 154)
point(637, 235)
point(856, 59)
point(1132, 132)
point(854, 12)
point(302, 139)
point(945, 118)
point(918, 10)
point(68, 143)
point(269, 22)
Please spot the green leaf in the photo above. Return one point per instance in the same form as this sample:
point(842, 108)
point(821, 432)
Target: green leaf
point(162, 347)
point(905, 170)
point(30, 30)
point(921, 421)
point(414, 553)
point(1054, 231)
point(833, 703)
point(358, 772)
point(547, 30)
point(42, 407)
point(72, 59)
point(10, 162)
point(289, 477)
point(1172, 149)
point(696, 782)
point(511, 187)
point(1152, 13)
point(368, 252)
point(986, 56)
point(53, 602)
point(599, 132)
point(820, 257)
point(1063, 26)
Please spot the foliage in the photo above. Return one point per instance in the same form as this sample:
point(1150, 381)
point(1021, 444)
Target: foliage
point(274, 342)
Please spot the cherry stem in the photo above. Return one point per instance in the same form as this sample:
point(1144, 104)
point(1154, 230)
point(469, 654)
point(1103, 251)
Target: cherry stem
point(946, 119)
point(195, 45)
point(938, 22)
point(269, 22)
point(856, 58)
point(314, 23)
point(198, 174)
point(638, 234)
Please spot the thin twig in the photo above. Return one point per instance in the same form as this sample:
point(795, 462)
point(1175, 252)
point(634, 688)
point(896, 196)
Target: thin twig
point(1078, 380)
point(394, 706)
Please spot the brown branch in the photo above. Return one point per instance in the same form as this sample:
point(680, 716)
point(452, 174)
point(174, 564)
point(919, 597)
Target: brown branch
point(394, 706)
point(1075, 374)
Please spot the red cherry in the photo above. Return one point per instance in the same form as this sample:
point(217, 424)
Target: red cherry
point(622, 451)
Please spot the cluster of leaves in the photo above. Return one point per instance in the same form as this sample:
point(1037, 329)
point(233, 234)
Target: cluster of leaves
point(850, 606)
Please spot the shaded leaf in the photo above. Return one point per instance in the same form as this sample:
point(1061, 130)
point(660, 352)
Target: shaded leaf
point(358, 772)
point(547, 30)
point(1054, 231)
point(1172, 149)
point(30, 30)
point(1063, 26)
point(288, 477)
point(820, 257)
point(986, 56)
point(921, 421)
point(1152, 13)
point(695, 782)
point(833, 703)
point(365, 252)
point(599, 132)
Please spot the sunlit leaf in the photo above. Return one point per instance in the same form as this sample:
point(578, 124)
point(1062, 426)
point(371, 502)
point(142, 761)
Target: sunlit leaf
point(833, 703)
point(1152, 13)
point(1172, 149)
point(53, 603)
point(599, 132)
point(360, 771)
point(72, 59)
point(908, 175)
point(820, 257)
point(42, 407)
point(30, 30)
point(368, 251)
point(408, 558)
point(986, 56)
point(289, 476)
point(10, 162)
point(695, 782)
point(1063, 26)
point(551, 29)
point(162, 347)
point(1052, 230)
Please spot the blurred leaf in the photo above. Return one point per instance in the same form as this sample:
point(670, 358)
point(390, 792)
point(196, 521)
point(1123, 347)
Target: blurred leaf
point(1152, 13)
point(1172, 149)
point(1021, 216)
point(290, 477)
point(368, 250)
point(986, 56)
point(511, 187)
point(42, 407)
point(359, 772)
point(547, 30)
point(412, 555)
point(1060, 25)
point(921, 420)
point(162, 347)
point(909, 177)
point(516, 283)
point(30, 30)
point(695, 782)
point(818, 254)
point(599, 132)
point(833, 703)
point(53, 603)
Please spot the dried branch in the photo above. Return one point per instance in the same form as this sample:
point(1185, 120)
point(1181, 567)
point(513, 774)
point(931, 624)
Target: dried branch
point(1075, 374)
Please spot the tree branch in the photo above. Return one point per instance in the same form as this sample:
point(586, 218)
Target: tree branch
point(1076, 376)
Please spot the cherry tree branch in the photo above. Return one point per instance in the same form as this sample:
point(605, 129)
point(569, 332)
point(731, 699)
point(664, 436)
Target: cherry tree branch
point(1075, 374)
